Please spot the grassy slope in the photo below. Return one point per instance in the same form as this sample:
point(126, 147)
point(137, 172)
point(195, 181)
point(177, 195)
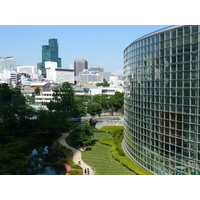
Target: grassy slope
point(101, 159)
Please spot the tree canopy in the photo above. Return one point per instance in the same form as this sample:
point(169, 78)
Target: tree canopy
point(94, 109)
point(103, 84)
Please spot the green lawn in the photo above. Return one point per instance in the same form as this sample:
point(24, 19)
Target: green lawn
point(101, 159)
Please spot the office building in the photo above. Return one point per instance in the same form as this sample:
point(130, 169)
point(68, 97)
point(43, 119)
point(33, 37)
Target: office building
point(96, 69)
point(7, 63)
point(79, 66)
point(58, 75)
point(50, 53)
point(105, 76)
point(87, 76)
point(161, 105)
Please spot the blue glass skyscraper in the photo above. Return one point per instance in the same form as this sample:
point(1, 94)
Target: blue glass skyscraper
point(50, 53)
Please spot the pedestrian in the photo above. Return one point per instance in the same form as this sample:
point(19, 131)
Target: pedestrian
point(85, 171)
point(88, 171)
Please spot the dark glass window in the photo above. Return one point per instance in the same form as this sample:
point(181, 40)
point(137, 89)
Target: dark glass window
point(194, 29)
point(186, 75)
point(180, 67)
point(180, 31)
point(173, 32)
point(173, 50)
point(195, 38)
point(194, 56)
point(195, 47)
point(186, 57)
point(180, 76)
point(180, 49)
point(167, 35)
point(167, 51)
point(187, 66)
point(161, 36)
point(187, 48)
point(187, 39)
point(180, 41)
point(173, 58)
point(162, 45)
point(187, 30)
point(180, 58)
point(174, 42)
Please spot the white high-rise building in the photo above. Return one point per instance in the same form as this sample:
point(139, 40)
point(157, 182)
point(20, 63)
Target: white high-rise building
point(7, 63)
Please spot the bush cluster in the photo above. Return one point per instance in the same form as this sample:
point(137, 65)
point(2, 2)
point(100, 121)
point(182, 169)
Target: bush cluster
point(74, 172)
point(115, 138)
point(110, 129)
point(116, 150)
point(81, 137)
point(78, 169)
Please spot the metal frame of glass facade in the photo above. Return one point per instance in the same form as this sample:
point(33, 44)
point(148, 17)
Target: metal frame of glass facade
point(162, 106)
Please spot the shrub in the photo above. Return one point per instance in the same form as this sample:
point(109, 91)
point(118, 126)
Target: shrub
point(72, 164)
point(116, 150)
point(110, 129)
point(74, 172)
point(81, 136)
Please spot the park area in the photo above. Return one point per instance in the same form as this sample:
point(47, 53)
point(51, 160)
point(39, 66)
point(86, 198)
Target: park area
point(100, 158)
point(105, 154)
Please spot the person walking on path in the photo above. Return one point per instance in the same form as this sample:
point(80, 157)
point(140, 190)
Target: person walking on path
point(76, 153)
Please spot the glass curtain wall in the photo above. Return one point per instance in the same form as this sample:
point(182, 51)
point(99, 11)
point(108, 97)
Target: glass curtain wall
point(162, 115)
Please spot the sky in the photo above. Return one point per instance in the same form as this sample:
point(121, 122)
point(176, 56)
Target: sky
point(101, 45)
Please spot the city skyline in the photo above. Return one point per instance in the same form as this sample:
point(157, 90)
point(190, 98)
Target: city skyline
point(101, 45)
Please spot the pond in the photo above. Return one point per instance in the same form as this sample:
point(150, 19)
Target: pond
point(45, 160)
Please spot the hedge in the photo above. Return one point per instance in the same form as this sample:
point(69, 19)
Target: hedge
point(74, 172)
point(116, 150)
point(110, 129)
point(70, 162)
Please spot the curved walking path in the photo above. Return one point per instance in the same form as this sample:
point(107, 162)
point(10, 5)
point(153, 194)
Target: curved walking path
point(76, 154)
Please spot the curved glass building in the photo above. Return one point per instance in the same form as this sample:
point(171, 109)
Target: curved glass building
point(162, 105)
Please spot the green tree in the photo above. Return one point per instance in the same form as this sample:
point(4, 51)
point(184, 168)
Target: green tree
point(30, 99)
point(37, 90)
point(103, 84)
point(82, 136)
point(102, 99)
point(116, 101)
point(63, 100)
point(11, 96)
point(79, 108)
point(94, 109)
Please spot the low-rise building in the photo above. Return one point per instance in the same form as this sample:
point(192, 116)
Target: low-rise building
point(46, 94)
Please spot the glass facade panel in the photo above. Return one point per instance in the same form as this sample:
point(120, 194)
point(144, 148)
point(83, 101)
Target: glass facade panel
point(161, 104)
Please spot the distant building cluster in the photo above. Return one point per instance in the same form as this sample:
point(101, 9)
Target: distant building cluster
point(49, 74)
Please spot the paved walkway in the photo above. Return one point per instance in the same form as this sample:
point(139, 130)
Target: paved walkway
point(76, 155)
